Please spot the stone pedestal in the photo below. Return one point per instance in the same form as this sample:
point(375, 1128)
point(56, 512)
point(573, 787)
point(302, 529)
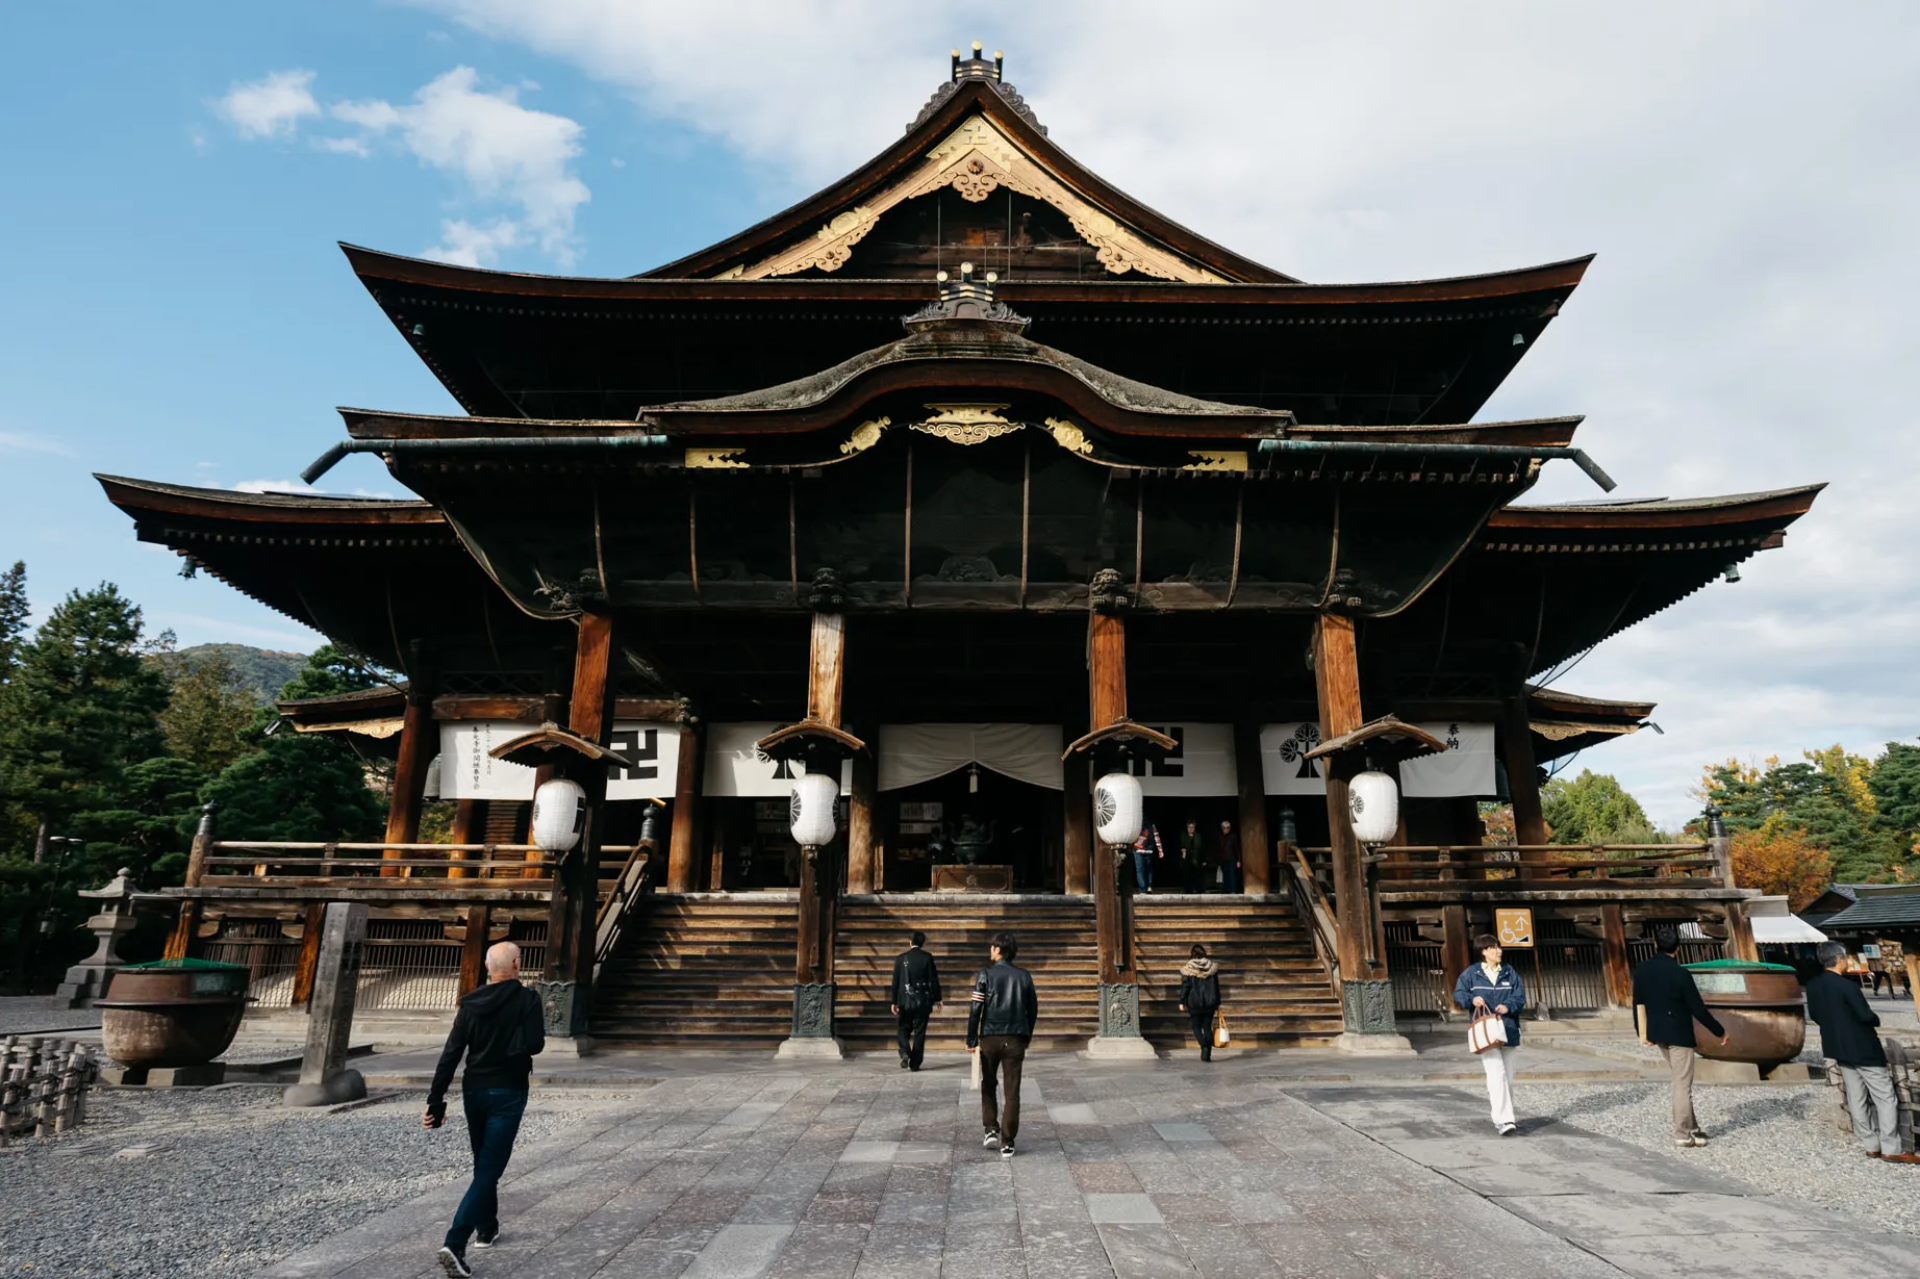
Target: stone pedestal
point(1119, 1037)
point(812, 1023)
point(325, 1079)
point(1368, 1010)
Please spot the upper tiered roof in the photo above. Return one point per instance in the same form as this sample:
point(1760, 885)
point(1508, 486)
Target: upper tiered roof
point(1104, 278)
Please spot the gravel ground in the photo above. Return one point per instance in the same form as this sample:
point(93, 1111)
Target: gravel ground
point(1783, 1139)
point(222, 1182)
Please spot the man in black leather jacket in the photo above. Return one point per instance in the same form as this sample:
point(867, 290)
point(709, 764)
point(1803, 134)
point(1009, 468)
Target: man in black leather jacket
point(498, 1029)
point(999, 1028)
point(914, 995)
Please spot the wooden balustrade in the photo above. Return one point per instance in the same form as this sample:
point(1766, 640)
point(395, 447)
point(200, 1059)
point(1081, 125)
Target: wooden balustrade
point(1495, 868)
point(379, 871)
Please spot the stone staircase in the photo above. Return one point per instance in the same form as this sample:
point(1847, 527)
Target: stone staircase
point(1273, 990)
point(702, 970)
point(1056, 944)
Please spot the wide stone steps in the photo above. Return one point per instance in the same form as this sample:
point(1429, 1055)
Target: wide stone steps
point(1273, 989)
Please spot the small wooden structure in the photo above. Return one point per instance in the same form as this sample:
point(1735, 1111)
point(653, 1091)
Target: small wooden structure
point(44, 1085)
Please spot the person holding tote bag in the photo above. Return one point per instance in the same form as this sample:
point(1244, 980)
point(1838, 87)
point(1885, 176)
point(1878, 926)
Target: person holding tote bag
point(1493, 988)
point(1200, 997)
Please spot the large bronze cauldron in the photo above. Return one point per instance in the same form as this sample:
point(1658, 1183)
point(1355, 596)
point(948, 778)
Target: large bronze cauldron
point(1762, 1007)
point(173, 1012)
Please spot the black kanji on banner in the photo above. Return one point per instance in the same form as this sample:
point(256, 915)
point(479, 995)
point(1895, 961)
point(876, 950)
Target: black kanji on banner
point(642, 747)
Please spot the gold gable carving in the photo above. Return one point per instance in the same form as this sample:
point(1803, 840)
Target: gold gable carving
point(976, 160)
point(1210, 460)
point(967, 423)
point(866, 435)
point(714, 459)
point(1069, 436)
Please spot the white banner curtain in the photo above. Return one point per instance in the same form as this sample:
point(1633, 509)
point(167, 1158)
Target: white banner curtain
point(1464, 769)
point(468, 771)
point(736, 768)
point(915, 753)
point(1202, 766)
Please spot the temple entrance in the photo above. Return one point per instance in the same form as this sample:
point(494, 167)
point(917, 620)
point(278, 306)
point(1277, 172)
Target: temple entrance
point(964, 824)
point(1212, 869)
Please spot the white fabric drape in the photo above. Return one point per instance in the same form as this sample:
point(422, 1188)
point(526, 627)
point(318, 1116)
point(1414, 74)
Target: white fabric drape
point(1201, 766)
point(467, 771)
point(736, 767)
point(1464, 769)
point(915, 753)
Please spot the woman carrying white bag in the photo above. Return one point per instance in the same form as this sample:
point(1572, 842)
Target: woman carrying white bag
point(1494, 992)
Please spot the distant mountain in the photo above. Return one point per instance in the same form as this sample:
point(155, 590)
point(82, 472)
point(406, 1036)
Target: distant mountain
point(264, 670)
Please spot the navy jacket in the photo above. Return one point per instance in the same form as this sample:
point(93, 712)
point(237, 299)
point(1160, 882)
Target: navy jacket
point(1664, 994)
point(1847, 1034)
point(1505, 989)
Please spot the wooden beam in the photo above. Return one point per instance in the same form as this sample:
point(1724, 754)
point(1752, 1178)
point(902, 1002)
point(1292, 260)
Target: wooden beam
point(473, 950)
point(1107, 704)
point(576, 879)
point(860, 808)
point(683, 837)
point(1740, 941)
point(469, 826)
point(826, 668)
point(1256, 854)
point(1614, 956)
point(1456, 946)
point(1336, 674)
point(419, 743)
point(1523, 773)
point(180, 941)
point(1076, 836)
point(307, 965)
point(1106, 669)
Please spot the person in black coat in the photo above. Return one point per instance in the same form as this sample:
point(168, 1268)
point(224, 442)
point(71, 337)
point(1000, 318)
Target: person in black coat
point(914, 996)
point(1200, 997)
point(1666, 1004)
point(1849, 1035)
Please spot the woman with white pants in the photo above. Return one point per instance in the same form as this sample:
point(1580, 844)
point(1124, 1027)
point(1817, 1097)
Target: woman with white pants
point(1495, 985)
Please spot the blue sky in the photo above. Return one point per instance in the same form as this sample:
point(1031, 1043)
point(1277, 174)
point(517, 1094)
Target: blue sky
point(173, 179)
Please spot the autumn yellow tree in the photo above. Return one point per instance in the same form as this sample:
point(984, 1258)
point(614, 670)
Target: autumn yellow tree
point(1778, 859)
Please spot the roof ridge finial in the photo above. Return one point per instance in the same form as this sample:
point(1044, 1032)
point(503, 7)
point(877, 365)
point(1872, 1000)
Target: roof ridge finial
point(977, 67)
point(967, 297)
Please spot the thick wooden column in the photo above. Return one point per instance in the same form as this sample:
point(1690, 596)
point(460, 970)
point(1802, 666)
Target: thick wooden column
point(1256, 853)
point(1367, 999)
point(576, 879)
point(813, 993)
point(860, 810)
point(1740, 943)
point(306, 964)
point(470, 827)
point(419, 742)
point(1112, 915)
point(180, 941)
point(1614, 956)
point(1456, 947)
point(1076, 835)
point(683, 839)
point(1523, 774)
point(1106, 669)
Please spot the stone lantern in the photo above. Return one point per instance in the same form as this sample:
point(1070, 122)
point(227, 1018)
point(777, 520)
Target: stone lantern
point(87, 980)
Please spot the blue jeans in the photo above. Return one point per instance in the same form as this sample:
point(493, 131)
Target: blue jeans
point(493, 1121)
point(1142, 870)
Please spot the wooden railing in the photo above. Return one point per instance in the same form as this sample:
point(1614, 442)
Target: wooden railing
point(450, 873)
point(1494, 868)
point(618, 904)
point(1311, 904)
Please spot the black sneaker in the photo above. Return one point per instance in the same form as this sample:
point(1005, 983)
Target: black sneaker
point(485, 1241)
point(905, 1064)
point(454, 1264)
point(1006, 1152)
point(991, 1140)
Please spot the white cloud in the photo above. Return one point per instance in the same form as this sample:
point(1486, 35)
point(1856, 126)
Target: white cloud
point(271, 107)
point(301, 486)
point(26, 442)
point(504, 152)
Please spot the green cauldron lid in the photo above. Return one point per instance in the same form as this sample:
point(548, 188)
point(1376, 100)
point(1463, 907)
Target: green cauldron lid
point(1738, 966)
point(197, 965)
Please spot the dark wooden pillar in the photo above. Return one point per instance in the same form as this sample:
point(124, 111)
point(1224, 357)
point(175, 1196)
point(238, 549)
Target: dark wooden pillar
point(419, 742)
point(1107, 703)
point(306, 965)
point(860, 876)
point(1456, 947)
point(570, 922)
point(1614, 956)
point(826, 684)
point(1256, 854)
point(683, 840)
point(1368, 1001)
point(1076, 836)
point(1523, 774)
point(470, 827)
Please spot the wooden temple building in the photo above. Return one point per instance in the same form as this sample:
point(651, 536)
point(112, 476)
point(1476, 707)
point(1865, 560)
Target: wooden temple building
point(972, 478)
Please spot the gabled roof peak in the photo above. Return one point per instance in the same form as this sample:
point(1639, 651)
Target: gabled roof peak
point(978, 68)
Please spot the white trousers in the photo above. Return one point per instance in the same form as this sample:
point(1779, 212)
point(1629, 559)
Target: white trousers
point(1499, 1066)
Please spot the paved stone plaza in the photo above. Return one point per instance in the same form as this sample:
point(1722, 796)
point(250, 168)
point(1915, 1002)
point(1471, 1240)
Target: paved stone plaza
point(857, 1169)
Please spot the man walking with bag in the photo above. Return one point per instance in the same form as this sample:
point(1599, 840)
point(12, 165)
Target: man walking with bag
point(499, 1029)
point(915, 994)
point(999, 1028)
point(1849, 1035)
point(1666, 1004)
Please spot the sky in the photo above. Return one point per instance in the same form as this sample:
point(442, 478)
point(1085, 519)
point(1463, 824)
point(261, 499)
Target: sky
point(174, 179)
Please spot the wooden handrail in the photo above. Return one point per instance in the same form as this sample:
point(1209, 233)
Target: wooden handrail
point(1313, 904)
point(631, 883)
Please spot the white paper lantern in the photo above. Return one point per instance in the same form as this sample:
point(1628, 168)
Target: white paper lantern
point(811, 808)
point(1373, 801)
point(559, 809)
point(1117, 808)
